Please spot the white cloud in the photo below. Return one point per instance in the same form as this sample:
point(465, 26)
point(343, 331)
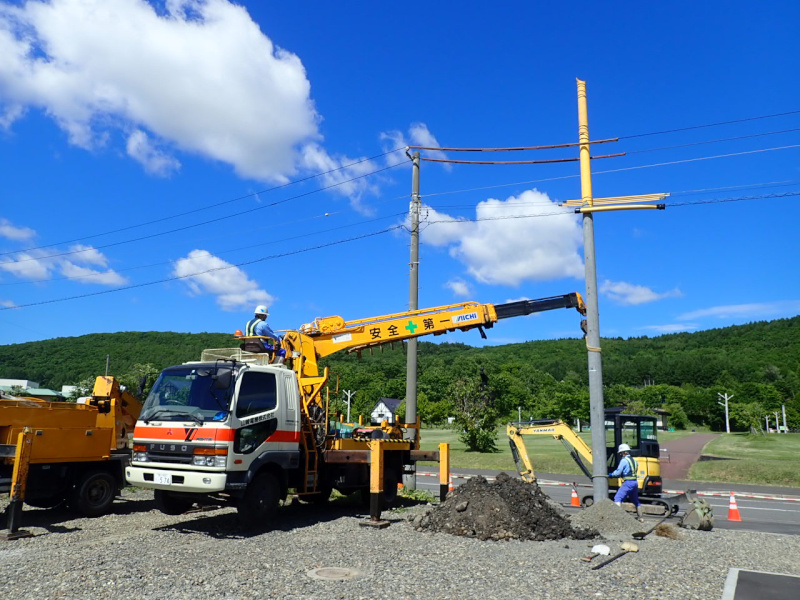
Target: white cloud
point(17, 234)
point(86, 275)
point(7, 303)
point(200, 76)
point(233, 289)
point(459, 287)
point(27, 266)
point(151, 158)
point(315, 158)
point(511, 241)
point(418, 135)
point(630, 294)
point(756, 310)
point(39, 265)
point(671, 328)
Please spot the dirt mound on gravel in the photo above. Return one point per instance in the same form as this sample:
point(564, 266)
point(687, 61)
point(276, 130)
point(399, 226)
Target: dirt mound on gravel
point(606, 517)
point(505, 509)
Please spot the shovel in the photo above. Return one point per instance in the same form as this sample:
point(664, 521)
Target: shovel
point(598, 549)
point(624, 549)
point(640, 535)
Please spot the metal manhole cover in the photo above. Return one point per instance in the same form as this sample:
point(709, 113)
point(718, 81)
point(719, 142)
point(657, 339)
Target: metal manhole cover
point(333, 573)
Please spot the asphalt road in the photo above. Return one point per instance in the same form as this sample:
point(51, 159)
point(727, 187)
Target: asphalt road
point(762, 508)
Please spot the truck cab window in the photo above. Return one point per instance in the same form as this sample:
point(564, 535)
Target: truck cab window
point(256, 394)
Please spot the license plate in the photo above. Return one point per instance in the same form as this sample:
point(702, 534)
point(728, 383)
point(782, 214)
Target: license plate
point(162, 478)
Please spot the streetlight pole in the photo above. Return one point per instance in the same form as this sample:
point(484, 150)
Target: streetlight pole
point(726, 397)
point(349, 395)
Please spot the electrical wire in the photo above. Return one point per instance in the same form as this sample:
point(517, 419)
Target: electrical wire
point(515, 162)
point(551, 147)
point(360, 237)
point(210, 206)
point(638, 135)
point(216, 220)
point(296, 237)
point(730, 139)
point(576, 175)
point(179, 277)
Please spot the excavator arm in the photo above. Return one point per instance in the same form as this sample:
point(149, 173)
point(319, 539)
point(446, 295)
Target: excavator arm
point(577, 448)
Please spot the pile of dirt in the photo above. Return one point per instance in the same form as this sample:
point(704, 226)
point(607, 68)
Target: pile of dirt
point(607, 518)
point(505, 509)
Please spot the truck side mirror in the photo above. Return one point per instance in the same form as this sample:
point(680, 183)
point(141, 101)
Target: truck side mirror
point(223, 379)
point(142, 383)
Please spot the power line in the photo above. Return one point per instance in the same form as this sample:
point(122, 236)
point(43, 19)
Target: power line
point(222, 218)
point(575, 176)
point(515, 162)
point(730, 139)
point(179, 277)
point(551, 147)
point(314, 233)
point(209, 206)
point(783, 114)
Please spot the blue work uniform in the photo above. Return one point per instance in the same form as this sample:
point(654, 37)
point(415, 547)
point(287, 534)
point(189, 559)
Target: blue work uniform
point(629, 489)
point(259, 327)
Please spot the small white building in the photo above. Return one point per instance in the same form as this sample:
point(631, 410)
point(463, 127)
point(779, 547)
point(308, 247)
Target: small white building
point(385, 409)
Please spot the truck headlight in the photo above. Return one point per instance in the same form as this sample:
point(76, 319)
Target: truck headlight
point(140, 457)
point(210, 457)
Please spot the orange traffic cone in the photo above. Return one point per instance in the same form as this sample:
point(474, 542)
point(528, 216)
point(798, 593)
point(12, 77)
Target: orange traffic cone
point(574, 501)
point(400, 486)
point(450, 487)
point(733, 510)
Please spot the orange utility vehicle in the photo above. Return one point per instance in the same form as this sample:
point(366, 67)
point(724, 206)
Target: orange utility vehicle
point(77, 451)
point(243, 428)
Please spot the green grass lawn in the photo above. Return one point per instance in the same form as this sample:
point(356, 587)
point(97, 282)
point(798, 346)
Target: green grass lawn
point(767, 460)
point(548, 454)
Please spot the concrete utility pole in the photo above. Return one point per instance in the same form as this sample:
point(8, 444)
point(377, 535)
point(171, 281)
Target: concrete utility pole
point(596, 407)
point(726, 397)
point(349, 394)
point(107, 359)
point(410, 480)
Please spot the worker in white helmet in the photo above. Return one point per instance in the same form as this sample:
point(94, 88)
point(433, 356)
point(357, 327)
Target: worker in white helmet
point(627, 469)
point(257, 326)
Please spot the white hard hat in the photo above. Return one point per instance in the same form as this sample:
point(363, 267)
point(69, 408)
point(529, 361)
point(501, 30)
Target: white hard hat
point(624, 448)
point(261, 309)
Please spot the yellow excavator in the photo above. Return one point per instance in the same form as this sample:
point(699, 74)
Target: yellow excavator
point(638, 431)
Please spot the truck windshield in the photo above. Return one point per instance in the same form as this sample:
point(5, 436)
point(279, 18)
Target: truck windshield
point(187, 394)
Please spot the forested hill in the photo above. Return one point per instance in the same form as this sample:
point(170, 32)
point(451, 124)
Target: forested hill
point(756, 352)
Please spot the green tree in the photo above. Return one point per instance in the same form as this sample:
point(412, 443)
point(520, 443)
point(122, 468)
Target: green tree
point(474, 415)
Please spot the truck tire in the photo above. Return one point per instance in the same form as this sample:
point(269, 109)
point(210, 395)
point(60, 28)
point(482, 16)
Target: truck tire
point(169, 504)
point(93, 493)
point(260, 501)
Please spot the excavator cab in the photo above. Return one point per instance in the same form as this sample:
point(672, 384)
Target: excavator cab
point(639, 432)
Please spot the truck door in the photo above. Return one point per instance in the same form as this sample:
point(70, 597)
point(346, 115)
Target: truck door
point(256, 415)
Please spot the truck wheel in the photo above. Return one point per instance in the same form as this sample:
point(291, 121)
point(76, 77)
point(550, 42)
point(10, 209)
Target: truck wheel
point(94, 493)
point(260, 501)
point(169, 504)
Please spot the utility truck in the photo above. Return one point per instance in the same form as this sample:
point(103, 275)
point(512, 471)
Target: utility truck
point(244, 427)
point(73, 452)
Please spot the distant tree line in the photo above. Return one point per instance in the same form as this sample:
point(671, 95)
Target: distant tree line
point(759, 363)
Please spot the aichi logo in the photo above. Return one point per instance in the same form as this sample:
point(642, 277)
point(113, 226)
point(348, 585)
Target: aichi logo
point(465, 317)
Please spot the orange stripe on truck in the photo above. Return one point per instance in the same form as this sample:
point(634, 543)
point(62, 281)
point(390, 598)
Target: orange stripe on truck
point(199, 434)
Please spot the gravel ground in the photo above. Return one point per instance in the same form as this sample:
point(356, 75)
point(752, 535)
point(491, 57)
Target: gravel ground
point(138, 553)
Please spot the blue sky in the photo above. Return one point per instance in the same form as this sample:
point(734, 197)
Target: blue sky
point(140, 141)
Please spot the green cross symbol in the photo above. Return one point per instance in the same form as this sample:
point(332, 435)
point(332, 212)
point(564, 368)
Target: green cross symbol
point(412, 327)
